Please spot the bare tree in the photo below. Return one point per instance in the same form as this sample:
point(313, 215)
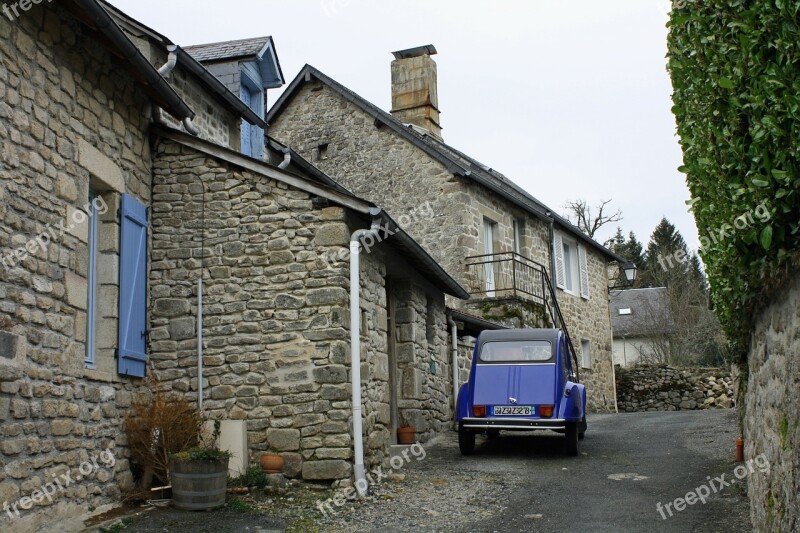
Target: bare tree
point(583, 215)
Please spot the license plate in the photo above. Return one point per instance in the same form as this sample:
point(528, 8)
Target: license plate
point(512, 410)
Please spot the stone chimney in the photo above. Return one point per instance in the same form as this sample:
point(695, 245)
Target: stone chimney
point(415, 99)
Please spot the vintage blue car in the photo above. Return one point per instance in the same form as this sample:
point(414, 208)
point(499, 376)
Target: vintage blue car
point(522, 380)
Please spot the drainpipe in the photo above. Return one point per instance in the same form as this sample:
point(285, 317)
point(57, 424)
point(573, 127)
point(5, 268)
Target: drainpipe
point(355, 344)
point(190, 127)
point(454, 336)
point(172, 60)
point(200, 344)
point(552, 246)
point(287, 158)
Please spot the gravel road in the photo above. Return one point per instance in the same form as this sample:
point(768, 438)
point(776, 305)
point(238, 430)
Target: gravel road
point(627, 464)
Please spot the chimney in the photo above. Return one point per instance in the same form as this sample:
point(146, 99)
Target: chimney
point(415, 99)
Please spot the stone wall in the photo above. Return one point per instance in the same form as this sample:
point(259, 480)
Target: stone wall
point(771, 412)
point(377, 164)
point(70, 118)
point(663, 388)
point(276, 319)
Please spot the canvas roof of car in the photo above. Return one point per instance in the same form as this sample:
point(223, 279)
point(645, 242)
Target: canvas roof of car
point(527, 334)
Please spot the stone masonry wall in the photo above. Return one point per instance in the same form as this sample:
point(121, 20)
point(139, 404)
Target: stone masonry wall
point(663, 388)
point(70, 118)
point(379, 165)
point(771, 412)
point(275, 317)
point(375, 164)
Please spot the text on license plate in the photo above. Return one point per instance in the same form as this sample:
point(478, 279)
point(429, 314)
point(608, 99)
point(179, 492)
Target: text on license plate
point(512, 410)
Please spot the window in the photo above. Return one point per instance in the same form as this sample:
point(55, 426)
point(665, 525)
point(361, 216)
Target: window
point(91, 298)
point(430, 322)
point(488, 249)
point(517, 237)
point(586, 353)
point(517, 352)
point(572, 272)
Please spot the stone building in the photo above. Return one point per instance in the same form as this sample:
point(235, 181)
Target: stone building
point(109, 212)
point(523, 264)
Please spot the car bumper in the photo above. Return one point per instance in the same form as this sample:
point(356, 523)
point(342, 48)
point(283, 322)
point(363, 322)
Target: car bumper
point(522, 424)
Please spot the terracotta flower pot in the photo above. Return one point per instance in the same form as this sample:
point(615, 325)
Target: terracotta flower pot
point(406, 435)
point(271, 463)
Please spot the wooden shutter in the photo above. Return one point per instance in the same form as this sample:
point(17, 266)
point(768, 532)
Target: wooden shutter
point(132, 352)
point(584, 271)
point(558, 250)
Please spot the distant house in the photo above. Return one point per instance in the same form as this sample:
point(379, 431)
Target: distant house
point(522, 263)
point(642, 324)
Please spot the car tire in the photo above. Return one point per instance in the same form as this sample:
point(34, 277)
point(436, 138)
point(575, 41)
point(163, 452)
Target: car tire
point(582, 429)
point(571, 440)
point(466, 441)
point(493, 434)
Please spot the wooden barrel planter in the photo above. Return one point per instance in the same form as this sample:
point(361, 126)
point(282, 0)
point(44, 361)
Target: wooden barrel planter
point(198, 485)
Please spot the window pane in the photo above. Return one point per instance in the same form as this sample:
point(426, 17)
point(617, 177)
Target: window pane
point(568, 266)
point(517, 352)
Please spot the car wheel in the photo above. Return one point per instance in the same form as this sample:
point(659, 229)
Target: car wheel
point(582, 429)
point(493, 434)
point(571, 440)
point(466, 441)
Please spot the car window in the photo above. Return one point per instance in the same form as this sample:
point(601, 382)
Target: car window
point(516, 352)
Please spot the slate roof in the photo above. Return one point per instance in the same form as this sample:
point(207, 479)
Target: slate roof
point(649, 316)
point(456, 161)
point(227, 50)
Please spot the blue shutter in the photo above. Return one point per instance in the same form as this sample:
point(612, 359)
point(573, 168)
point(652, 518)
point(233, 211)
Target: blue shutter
point(247, 98)
point(132, 288)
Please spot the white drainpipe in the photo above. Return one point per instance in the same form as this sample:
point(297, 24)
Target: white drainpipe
point(454, 338)
point(172, 60)
point(355, 346)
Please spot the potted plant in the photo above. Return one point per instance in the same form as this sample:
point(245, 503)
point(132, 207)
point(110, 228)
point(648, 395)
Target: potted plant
point(199, 476)
point(271, 463)
point(406, 434)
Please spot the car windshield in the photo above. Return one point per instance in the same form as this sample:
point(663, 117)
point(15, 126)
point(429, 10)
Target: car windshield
point(517, 352)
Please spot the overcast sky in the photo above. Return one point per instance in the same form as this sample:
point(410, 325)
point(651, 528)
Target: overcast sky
point(568, 99)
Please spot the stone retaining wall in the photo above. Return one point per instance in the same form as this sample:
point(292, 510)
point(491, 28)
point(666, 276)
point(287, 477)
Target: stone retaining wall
point(663, 388)
point(771, 413)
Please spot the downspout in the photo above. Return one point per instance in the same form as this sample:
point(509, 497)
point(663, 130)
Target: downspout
point(165, 70)
point(200, 344)
point(552, 246)
point(355, 345)
point(454, 336)
point(287, 159)
point(172, 60)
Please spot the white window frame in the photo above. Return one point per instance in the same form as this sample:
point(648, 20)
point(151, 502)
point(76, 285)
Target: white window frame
point(489, 227)
point(517, 238)
point(91, 293)
point(571, 274)
point(586, 353)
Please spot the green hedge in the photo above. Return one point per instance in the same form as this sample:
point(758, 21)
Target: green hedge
point(734, 66)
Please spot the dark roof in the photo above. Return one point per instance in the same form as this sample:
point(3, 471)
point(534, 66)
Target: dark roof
point(649, 312)
point(219, 91)
point(454, 160)
point(227, 50)
point(471, 324)
point(409, 249)
point(94, 15)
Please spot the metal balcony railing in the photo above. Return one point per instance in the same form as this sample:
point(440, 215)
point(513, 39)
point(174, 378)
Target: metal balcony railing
point(510, 275)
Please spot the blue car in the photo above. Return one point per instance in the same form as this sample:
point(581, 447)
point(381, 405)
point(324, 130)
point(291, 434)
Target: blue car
point(522, 380)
